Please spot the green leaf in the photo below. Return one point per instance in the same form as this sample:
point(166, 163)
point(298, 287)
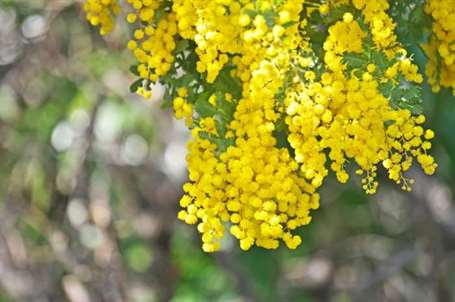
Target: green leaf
point(181, 46)
point(355, 61)
point(136, 85)
point(203, 107)
point(289, 24)
point(270, 17)
point(405, 95)
point(133, 70)
point(228, 84)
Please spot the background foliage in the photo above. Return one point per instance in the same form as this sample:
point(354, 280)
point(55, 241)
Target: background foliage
point(90, 176)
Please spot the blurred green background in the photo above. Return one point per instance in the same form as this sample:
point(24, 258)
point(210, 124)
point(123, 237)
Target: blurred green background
point(90, 176)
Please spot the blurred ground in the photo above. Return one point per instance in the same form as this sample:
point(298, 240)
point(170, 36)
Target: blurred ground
point(90, 176)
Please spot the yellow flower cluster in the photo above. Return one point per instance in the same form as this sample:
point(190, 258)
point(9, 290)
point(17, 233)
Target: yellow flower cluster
point(183, 109)
point(153, 44)
point(102, 13)
point(253, 186)
point(254, 172)
point(441, 48)
point(348, 118)
point(213, 26)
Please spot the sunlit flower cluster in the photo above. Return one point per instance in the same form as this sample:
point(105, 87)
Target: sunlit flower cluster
point(102, 13)
point(277, 94)
point(441, 48)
